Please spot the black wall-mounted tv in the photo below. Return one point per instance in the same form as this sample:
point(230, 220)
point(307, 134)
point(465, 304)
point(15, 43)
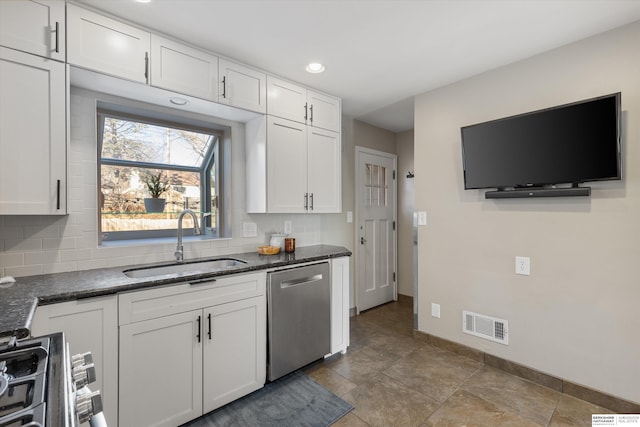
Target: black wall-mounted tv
point(529, 154)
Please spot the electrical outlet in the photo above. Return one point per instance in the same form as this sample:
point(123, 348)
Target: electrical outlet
point(349, 217)
point(523, 265)
point(435, 310)
point(249, 229)
point(288, 227)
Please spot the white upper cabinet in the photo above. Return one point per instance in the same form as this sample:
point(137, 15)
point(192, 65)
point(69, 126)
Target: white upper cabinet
point(324, 171)
point(183, 69)
point(33, 141)
point(36, 27)
point(324, 111)
point(243, 87)
point(303, 171)
point(286, 166)
point(286, 100)
point(293, 102)
point(108, 46)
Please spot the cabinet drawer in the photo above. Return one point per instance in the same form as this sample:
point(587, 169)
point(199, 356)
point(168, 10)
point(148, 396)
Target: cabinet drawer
point(167, 300)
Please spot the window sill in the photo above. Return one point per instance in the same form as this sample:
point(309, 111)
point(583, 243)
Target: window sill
point(158, 241)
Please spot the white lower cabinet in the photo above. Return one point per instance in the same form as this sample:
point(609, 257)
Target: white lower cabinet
point(89, 325)
point(161, 371)
point(190, 349)
point(235, 353)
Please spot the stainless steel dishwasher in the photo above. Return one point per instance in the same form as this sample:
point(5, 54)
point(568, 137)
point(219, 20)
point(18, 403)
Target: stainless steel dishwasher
point(299, 317)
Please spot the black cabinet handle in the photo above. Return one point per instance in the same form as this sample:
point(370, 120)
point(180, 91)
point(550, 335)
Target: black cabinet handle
point(306, 201)
point(224, 87)
point(311, 207)
point(201, 281)
point(57, 37)
point(305, 110)
point(209, 317)
point(58, 195)
point(146, 66)
point(311, 110)
point(199, 325)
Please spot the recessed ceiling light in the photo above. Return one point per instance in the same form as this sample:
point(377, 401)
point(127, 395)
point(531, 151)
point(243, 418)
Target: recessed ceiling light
point(315, 67)
point(143, 1)
point(178, 101)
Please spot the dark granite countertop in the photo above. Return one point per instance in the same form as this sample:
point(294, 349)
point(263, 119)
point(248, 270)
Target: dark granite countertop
point(18, 301)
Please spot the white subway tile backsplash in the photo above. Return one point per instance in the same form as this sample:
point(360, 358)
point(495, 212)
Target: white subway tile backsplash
point(11, 232)
point(75, 255)
point(38, 232)
point(44, 257)
point(29, 270)
point(91, 264)
point(25, 245)
point(59, 243)
point(59, 267)
point(11, 259)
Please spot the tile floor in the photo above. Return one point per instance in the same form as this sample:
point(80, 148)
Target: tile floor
point(394, 379)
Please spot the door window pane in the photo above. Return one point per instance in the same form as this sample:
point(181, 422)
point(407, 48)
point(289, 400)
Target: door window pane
point(376, 185)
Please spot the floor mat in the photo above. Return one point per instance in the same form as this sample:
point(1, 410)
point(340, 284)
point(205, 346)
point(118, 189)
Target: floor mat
point(294, 400)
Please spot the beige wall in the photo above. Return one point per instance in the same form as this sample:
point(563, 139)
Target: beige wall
point(366, 135)
point(404, 146)
point(576, 315)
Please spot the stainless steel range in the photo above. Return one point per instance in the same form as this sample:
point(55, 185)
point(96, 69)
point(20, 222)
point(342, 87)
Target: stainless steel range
point(41, 385)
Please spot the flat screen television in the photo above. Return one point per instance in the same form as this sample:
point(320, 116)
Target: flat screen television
point(534, 152)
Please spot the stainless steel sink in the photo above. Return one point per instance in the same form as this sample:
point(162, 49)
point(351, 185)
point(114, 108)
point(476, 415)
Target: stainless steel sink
point(191, 267)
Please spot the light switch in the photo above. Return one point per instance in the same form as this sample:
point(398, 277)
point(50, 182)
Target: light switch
point(422, 218)
point(349, 217)
point(523, 265)
point(435, 310)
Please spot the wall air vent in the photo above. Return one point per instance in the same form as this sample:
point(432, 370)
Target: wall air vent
point(489, 328)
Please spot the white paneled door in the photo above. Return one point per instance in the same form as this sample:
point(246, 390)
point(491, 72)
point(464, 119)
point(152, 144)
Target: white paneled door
point(376, 216)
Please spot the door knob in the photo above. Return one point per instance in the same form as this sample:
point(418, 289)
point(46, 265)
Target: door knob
point(362, 240)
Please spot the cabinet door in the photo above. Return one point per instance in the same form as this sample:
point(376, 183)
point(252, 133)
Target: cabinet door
point(324, 111)
point(106, 45)
point(243, 87)
point(339, 305)
point(235, 352)
point(33, 138)
point(36, 27)
point(286, 100)
point(88, 325)
point(183, 69)
point(161, 371)
point(286, 166)
point(324, 171)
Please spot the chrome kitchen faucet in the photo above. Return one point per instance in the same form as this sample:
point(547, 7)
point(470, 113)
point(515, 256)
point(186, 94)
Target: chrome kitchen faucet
point(196, 231)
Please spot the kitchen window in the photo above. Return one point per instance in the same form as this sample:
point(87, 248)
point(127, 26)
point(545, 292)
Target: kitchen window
point(151, 169)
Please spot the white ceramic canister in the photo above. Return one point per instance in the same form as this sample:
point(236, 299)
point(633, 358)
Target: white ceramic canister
point(277, 239)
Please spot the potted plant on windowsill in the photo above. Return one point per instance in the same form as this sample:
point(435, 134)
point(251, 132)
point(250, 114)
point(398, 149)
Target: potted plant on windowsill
point(156, 187)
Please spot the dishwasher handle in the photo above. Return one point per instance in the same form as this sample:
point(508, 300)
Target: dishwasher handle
point(300, 281)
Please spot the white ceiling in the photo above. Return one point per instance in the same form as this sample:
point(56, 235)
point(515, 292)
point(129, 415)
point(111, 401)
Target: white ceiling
point(378, 53)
